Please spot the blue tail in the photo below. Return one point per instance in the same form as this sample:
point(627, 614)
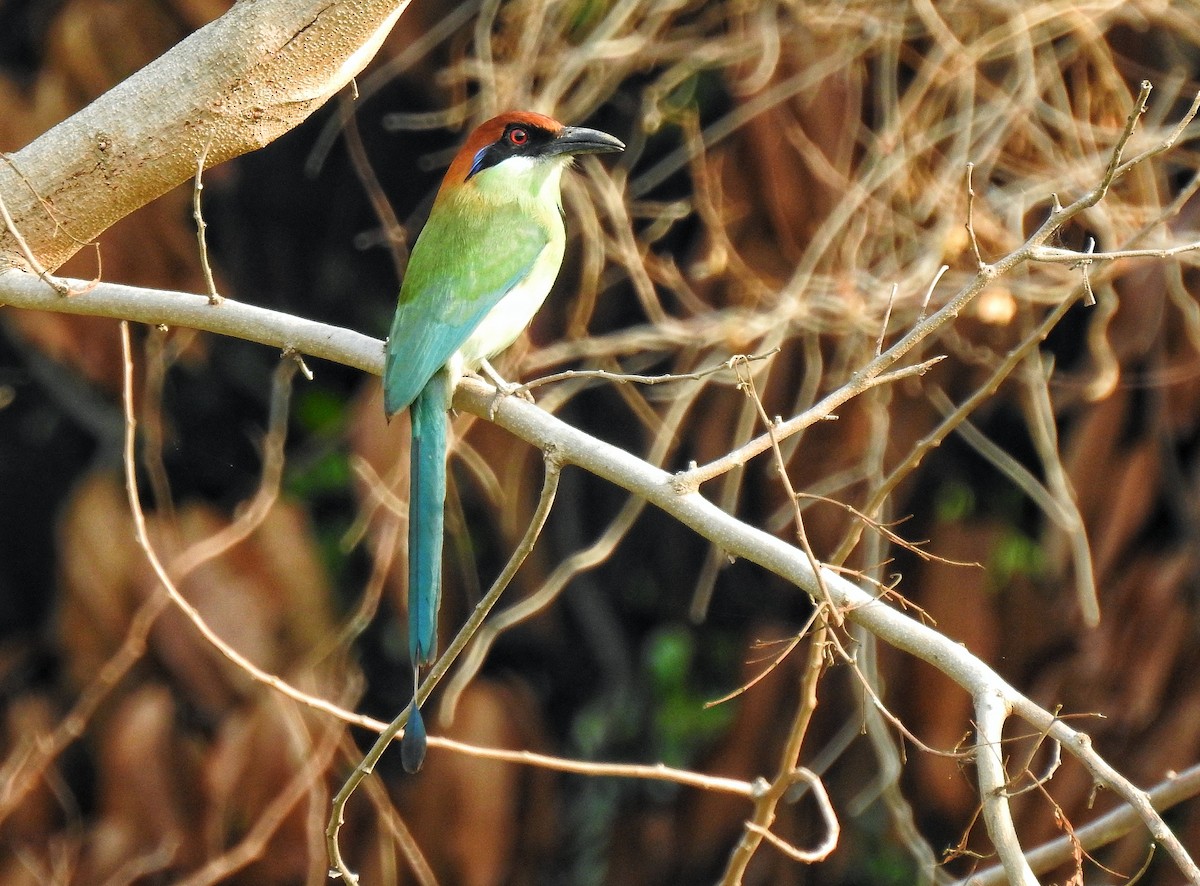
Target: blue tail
point(426, 508)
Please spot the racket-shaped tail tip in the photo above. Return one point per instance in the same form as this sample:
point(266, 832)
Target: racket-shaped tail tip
point(414, 742)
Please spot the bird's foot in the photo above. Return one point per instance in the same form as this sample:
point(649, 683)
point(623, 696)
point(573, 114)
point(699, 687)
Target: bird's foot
point(503, 388)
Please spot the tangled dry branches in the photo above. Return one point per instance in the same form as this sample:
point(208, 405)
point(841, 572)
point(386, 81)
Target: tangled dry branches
point(934, 223)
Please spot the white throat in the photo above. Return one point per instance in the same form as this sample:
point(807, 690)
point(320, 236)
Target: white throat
point(524, 178)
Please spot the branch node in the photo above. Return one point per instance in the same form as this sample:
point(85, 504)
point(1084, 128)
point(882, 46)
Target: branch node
point(553, 457)
point(290, 353)
point(685, 482)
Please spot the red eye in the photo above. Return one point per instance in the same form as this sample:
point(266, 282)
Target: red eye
point(517, 137)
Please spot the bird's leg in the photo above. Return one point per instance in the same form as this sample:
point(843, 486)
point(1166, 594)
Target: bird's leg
point(503, 388)
point(507, 388)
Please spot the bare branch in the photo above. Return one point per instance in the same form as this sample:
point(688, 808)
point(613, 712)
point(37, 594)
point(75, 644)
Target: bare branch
point(789, 771)
point(655, 772)
point(468, 630)
point(238, 83)
point(214, 297)
point(1056, 255)
point(622, 378)
point(655, 485)
point(822, 411)
point(991, 710)
point(927, 326)
point(832, 828)
point(157, 307)
point(1104, 830)
point(193, 615)
point(775, 555)
point(979, 262)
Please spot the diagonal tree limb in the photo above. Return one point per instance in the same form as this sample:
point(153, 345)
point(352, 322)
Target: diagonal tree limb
point(235, 85)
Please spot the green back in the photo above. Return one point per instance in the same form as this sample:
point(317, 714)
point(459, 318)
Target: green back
point(463, 263)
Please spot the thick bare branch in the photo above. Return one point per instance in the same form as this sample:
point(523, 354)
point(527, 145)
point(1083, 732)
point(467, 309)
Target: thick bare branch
point(990, 714)
point(234, 85)
point(160, 307)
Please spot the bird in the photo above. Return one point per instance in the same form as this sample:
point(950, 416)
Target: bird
point(479, 270)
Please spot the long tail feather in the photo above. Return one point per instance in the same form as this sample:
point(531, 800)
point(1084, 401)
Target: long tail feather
point(426, 507)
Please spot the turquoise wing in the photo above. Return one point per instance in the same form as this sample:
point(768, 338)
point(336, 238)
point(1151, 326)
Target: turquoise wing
point(463, 263)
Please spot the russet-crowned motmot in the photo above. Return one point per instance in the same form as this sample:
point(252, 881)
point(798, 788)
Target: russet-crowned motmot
point(479, 271)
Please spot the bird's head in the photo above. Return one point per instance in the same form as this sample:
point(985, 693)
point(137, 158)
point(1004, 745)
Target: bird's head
point(523, 152)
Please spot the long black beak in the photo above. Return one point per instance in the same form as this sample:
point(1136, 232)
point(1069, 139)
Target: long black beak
point(578, 140)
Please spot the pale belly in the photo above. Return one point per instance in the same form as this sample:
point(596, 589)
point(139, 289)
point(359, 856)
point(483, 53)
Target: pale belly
point(505, 322)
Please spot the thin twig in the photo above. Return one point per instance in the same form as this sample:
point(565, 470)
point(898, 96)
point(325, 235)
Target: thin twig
point(887, 318)
point(192, 614)
point(1039, 781)
point(214, 297)
point(59, 286)
point(941, 272)
point(1101, 832)
point(769, 798)
point(687, 481)
point(746, 382)
point(886, 531)
point(979, 262)
point(622, 378)
point(832, 829)
point(776, 555)
point(367, 765)
point(984, 277)
point(654, 772)
point(1057, 255)
point(1163, 145)
point(775, 662)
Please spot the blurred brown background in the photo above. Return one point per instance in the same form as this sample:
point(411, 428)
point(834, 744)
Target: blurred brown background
point(789, 164)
